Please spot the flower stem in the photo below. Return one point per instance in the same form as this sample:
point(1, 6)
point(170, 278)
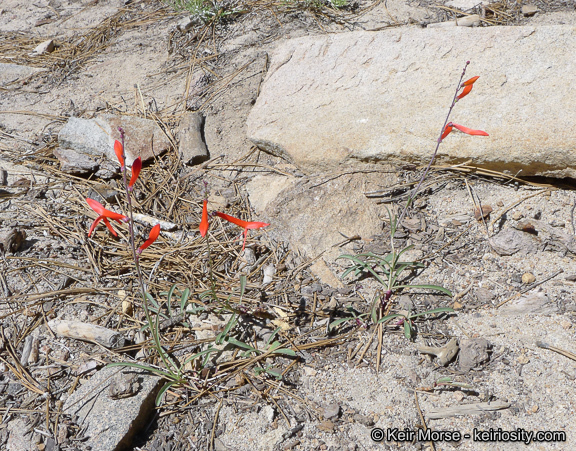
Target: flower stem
point(439, 141)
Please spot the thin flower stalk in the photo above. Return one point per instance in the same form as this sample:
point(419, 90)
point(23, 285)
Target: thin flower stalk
point(445, 131)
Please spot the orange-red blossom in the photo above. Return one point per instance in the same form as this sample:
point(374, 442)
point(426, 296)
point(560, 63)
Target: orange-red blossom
point(467, 85)
point(119, 151)
point(246, 225)
point(463, 129)
point(204, 223)
point(136, 166)
point(153, 236)
point(104, 215)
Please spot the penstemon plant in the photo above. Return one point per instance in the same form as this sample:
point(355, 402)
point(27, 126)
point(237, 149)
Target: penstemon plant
point(172, 371)
point(389, 268)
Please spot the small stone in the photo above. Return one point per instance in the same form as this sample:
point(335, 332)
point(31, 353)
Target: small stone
point(529, 10)
point(528, 278)
point(517, 215)
point(192, 147)
point(331, 411)
point(530, 304)
point(45, 47)
point(12, 241)
point(363, 419)
point(484, 295)
point(566, 324)
point(483, 213)
point(326, 426)
point(511, 241)
point(473, 353)
point(127, 307)
point(268, 413)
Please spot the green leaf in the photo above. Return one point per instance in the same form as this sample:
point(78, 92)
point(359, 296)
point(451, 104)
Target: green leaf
point(151, 369)
point(428, 287)
point(285, 351)
point(198, 354)
point(278, 329)
point(337, 322)
point(170, 293)
point(243, 281)
point(161, 392)
point(407, 329)
point(431, 312)
point(393, 315)
point(241, 344)
point(184, 299)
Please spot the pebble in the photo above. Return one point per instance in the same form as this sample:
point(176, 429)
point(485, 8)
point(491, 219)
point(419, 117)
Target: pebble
point(331, 411)
point(528, 278)
point(529, 10)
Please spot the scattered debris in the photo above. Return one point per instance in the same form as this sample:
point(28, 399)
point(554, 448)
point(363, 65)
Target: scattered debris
point(445, 354)
point(89, 332)
point(467, 409)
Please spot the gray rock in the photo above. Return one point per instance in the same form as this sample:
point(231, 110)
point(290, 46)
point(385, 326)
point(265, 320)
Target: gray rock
point(20, 438)
point(511, 241)
point(192, 147)
point(382, 96)
point(473, 353)
point(75, 163)
point(10, 73)
point(314, 217)
point(331, 411)
point(532, 303)
point(111, 423)
point(95, 137)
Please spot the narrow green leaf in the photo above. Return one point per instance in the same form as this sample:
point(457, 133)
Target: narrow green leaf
point(241, 344)
point(151, 369)
point(428, 287)
point(393, 315)
point(184, 299)
point(407, 330)
point(335, 323)
point(431, 312)
point(285, 351)
point(161, 392)
point(243, 281)
point(198, 354)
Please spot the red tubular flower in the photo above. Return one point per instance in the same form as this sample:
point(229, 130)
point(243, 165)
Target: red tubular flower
point(119, 151)
point(471, 81)
point(246, 225)
point(469, 131)
point(153, 236)
point(446, 131)
point(464, 93)
point(104, 215)
point(204, 223)
point(136, 166)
